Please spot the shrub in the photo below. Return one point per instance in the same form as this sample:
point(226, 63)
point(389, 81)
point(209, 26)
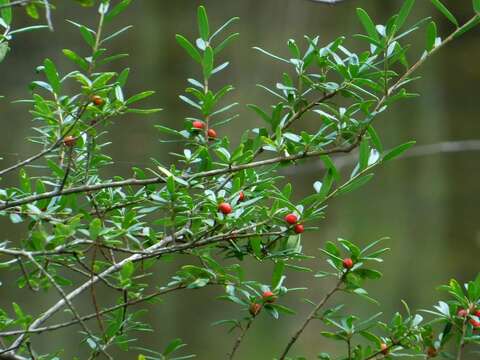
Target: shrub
point(216, 201)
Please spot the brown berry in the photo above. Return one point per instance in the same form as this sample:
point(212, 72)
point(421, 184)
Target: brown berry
point(241, 196)
point(69, 141)
point(432, 352)
point(255, 309)
point(212, 133)
point(97, 100)
point(225, 208)
point(347, 263)
point(291, 219)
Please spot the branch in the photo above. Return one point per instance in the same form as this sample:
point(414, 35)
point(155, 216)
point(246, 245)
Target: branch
point(310, 317)
point(240, 338)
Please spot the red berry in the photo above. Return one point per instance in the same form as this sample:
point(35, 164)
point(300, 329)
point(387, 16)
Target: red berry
point(69, 141)
point(198, 124)
point(268, 296)
point(299, 228)
point(212, 133)
point(255, 309)
point(97, 100)
point(462, 313)
point(291, 219)
point(476, 313)
point(474, 323)
point(347, 263)
point(432, 352)
point(225, 208)
point(241, 196)
point(384, 348)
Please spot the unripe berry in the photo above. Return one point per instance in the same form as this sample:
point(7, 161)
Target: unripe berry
point(212, 133)
point(225, 208)
point(432, 352)
point(198, 125)
point(268, 296)
point(299, 228)
point(291, 219)
point(241, 196)
point(384, 348)
point(462, 313)
point(347, 263)
point(69, 141)
point(255, 309)
point(97, 100)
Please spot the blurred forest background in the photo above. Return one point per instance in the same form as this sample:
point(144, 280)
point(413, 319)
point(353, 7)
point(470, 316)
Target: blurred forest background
point(427, 205)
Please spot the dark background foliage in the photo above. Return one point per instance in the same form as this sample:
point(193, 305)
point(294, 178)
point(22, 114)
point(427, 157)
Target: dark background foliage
point(427, 205)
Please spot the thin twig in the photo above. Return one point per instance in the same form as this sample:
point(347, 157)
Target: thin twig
point(310, 317)
point(240, 338)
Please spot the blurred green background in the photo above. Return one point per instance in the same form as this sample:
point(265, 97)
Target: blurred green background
point(427, 205)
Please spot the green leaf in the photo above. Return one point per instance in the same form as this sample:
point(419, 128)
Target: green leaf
point(95, 228)
point(225, 42)
point(6, 12)
point(3, 50)
point(476, 6)
point(82, 63)
point(277, 274)
point(117, 9)
point(139, 97)
point(31, 10)
point(354, 184)
point(207, 63)
point(173, 346)
point(443, 9)
point(431, 36)
point(397, 151)
point(367, 23)
point(403, 13)
point(87, 36)
point(189, 48)
point(203, 26)
point(52, 75)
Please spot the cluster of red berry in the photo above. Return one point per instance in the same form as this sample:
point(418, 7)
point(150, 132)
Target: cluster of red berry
point(225, 208)
point(463, 313)
point(292, 219)
point(200, 125)
point(267, 297)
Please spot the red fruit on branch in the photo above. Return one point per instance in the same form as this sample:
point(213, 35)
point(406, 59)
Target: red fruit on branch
point(69, 141)
point(212, 133)
point(474, 323)
point(254, 309)
point(241, 196)
point(97, 100)
point(291, 219)
point(476, 313)
point(299, 228)
point(347, 263)
point(225, 208)
point(462, 313)
point(198, 125)
point(432, 352)
point(384, 349)
point(268, 296)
